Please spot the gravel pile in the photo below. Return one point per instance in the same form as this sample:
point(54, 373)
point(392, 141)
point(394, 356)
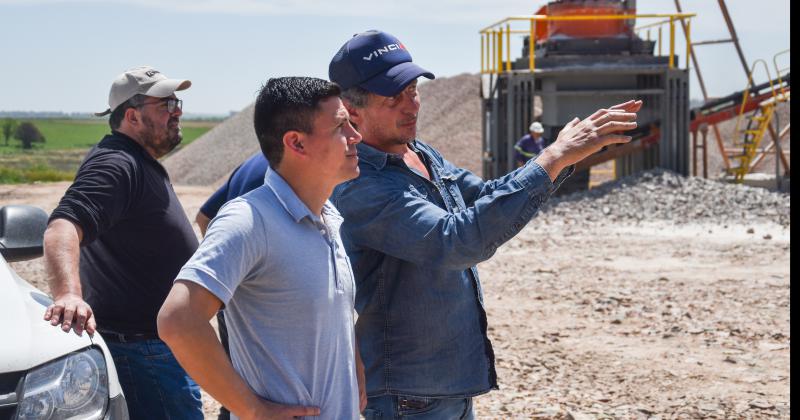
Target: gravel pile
point(667, 196)
point(210, 158)
point(450, 121)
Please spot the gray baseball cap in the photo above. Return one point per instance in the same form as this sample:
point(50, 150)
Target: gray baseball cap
point(143, 80)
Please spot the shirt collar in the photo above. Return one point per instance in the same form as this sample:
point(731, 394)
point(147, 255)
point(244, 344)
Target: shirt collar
point(378, 158)
point(287, 197)
point(371, 155)
point(130, 143)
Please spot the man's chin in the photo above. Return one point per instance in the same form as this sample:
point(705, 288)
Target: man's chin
point(404, 140)
point(173, 143)
point(176, 138)
point(352, 174)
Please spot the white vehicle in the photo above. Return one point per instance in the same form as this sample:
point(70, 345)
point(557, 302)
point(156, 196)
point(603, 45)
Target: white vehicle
point(46, 373)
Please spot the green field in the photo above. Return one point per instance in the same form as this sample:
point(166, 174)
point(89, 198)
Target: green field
point(66, 142)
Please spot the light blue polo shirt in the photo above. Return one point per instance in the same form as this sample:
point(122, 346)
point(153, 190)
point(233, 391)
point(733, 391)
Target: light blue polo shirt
point(287, 286)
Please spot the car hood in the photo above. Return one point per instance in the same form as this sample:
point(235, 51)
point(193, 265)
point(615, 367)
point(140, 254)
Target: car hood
point(27, 340)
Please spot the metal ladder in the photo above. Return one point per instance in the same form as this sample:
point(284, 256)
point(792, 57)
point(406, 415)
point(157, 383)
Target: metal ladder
point(758, 122)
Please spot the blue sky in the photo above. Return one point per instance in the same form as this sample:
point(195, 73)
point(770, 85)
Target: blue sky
point(62, 55)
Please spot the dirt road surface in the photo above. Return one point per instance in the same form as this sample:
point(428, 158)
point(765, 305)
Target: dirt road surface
point(615, 320)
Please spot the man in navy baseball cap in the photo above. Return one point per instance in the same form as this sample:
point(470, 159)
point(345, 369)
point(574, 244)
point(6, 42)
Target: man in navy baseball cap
point(375, 61)
point(415, 226)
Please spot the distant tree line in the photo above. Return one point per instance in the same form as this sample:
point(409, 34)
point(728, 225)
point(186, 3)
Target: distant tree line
point(25, 132)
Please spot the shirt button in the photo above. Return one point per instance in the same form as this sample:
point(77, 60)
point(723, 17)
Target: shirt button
point(322, 231)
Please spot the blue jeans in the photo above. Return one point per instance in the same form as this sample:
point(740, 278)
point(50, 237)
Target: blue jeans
point(155, 385)
point(395, 407)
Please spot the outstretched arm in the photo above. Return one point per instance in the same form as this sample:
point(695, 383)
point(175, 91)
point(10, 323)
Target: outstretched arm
point(402, 222)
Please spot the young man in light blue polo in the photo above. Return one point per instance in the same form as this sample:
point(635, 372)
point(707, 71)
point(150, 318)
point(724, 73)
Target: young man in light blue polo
point(273, 257)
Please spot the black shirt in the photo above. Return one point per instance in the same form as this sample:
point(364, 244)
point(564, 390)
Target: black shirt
point(136, 236)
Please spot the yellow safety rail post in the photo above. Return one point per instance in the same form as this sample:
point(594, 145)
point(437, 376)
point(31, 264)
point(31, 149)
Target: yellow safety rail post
point(508, 47)
point(671, 43)
point(688, 41)
point(532, 46)
point(482, 37)
point(779, 71)
point(659, 42)
point(494, 51)
point(492, 44)
point(500, 50)
point(487, 56)
point(488, 52)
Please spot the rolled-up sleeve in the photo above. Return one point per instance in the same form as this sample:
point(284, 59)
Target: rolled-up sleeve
point(234, 246)
point(104, 189)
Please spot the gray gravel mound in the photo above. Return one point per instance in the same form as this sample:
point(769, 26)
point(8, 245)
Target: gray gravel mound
point(667, 196)
point(449, 121)
point(216, 153)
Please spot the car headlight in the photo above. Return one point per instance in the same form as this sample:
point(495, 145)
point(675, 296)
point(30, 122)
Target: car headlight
point(74, 386)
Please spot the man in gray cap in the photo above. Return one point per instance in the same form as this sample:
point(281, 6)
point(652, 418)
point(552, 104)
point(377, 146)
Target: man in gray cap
point(118, 238)
point(415, 226)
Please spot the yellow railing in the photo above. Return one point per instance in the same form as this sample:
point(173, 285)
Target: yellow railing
point(746, 92)
point(751, 138)
point(493, 46)
point(780, 71)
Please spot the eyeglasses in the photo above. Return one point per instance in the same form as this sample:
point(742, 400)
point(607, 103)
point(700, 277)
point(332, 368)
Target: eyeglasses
point(173, 104)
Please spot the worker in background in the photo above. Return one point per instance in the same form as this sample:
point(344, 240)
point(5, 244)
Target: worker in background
point(530, 145)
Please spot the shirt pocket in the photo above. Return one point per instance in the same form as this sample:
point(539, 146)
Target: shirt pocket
point(418, 191)
point(449, 182)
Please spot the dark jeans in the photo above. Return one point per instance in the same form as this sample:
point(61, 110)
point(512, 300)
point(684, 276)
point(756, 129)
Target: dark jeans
point(155, 385)
point(391, 407)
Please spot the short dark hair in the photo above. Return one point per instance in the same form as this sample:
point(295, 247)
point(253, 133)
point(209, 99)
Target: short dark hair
point(284, 104)
point(118, 114)
point(356, 96)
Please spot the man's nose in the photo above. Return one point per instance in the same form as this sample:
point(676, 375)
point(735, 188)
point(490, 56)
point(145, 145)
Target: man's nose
point(353, 136)
point(411, 100)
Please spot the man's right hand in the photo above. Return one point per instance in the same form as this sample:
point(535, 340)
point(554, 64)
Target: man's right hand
point(71, 311)
point(581, 138)
point(271, 411)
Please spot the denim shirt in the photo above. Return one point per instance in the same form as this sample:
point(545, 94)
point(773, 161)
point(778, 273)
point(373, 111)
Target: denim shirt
point(414, 244)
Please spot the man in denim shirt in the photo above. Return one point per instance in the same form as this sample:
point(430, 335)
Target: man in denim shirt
point(415, 226)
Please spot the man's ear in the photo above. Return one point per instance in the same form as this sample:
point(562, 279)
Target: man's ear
point(132, 116)
point(293, 142)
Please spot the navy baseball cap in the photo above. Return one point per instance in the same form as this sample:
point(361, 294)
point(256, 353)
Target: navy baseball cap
point(376, 61)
